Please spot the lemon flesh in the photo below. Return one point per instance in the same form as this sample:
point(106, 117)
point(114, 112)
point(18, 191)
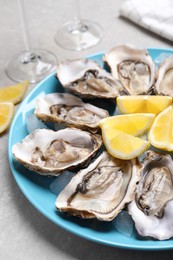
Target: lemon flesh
point(14, 93)
point(143, 104)
point(122, 145)
point(161, 132)
point(6, 115)
point(133, 124)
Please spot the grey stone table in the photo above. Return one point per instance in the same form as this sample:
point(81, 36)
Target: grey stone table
point(25, 234)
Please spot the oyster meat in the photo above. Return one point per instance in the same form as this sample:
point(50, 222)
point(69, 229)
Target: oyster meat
point(49, 153)
point(69, 110)
point(133, 67)
point(87, 79)
point(102, 190)
point(152, 209)
point(164, 78)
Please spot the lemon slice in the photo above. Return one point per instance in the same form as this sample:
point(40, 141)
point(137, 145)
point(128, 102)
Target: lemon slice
point(122, 145)
point(161, 132)
point(6, 115)
point(143, 104)
point(14, 93)
point(134, 124)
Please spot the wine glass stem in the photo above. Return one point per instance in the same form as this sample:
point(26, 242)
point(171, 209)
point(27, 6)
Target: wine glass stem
point(25, 32)
point(78, 26)
point(78, 16)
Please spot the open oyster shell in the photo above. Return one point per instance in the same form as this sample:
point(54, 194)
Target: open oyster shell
point(49, 153)
point(87, 79)
point(69, 110)
point(133, 67)
point(164, 78)
point(152, 209)
point(102, 190)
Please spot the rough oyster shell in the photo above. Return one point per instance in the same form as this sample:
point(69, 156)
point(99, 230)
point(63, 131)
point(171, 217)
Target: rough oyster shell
point(164, 78)
point(102, 190)
point(49, 153)
point(87, 79)
point(152, 208)
point(133, 67)
point(69, 110)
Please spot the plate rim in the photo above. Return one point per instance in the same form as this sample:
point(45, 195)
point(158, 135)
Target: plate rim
point(43, 211)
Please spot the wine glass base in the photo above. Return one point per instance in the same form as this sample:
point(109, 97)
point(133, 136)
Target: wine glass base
point(78, 35)
point(32, 66)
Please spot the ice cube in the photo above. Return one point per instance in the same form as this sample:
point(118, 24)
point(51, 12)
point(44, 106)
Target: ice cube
point(124, 223)
point(159, 59)
point(33, 123)
point(58, 126)
point(61, 181)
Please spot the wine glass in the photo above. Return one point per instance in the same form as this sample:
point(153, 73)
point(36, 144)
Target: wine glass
point(31, 65)
point(78, 34)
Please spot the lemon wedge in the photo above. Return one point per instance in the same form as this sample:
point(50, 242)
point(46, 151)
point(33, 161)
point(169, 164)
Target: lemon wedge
point(143, 104)
point(133, 124)
point(161, 132)
point(14, 93)
point(6, 115)
point(122, 145)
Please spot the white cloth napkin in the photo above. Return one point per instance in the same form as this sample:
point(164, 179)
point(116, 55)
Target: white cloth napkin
point(154, 15)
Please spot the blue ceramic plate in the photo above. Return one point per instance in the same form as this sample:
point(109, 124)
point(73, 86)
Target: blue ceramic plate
point(37, 188)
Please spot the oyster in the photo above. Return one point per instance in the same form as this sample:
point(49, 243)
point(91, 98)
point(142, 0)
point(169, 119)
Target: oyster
point(164, 78)
point(102, 190)
point(133, 67)
point(152, 209)
point(49, 153)
point(87, 79)
point(69, 110)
